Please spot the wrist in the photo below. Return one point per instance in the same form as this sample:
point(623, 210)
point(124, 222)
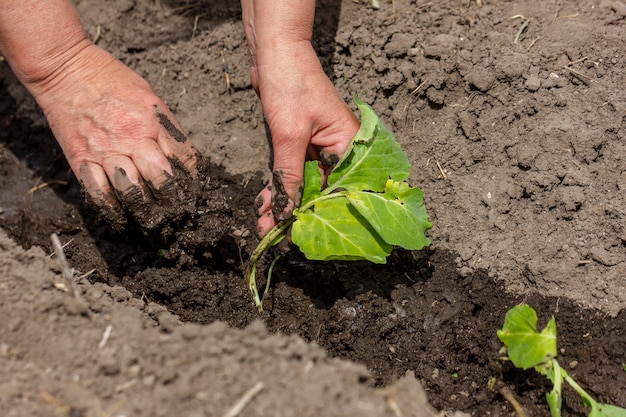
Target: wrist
point(275, 25)
point(285, 68)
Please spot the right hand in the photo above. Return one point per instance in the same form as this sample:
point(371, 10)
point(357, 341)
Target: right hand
point(307, 119)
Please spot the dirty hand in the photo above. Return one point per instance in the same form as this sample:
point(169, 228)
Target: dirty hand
point(305, 114)
point(307, 118)
point(118, 137)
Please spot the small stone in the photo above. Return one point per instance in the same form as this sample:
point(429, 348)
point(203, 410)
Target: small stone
point(533, 83)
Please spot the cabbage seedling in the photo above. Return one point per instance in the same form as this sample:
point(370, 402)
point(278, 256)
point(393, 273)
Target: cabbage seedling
point(364, 209)
point(529, 348)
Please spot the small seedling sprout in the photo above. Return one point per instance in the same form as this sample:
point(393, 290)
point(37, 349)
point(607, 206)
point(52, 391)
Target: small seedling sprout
point(528, 348)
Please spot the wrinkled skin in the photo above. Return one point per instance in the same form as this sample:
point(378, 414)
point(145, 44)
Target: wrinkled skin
point(119, 139)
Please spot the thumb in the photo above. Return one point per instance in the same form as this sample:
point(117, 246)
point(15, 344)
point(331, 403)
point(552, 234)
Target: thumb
point(277, 201)
point(286, 184)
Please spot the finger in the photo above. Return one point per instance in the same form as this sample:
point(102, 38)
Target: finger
point(265, 223)
point(287, 174)
point(263, 200)
point(266, 220)
point(98, 194)
point(284, 201)
point(329, 145)
point(133, 193)
point(174, 143)
point(156, 171)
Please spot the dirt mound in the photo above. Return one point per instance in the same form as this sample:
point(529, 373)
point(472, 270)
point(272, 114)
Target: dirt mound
point(105, 352)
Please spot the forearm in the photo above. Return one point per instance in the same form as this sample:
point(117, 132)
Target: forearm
point(39, 38)
point(274, 25)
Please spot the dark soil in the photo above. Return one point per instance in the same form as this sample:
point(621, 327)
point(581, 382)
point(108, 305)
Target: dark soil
point(516, 137)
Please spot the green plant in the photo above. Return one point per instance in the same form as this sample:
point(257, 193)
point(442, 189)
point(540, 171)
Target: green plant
point(363, 210)
point(529, 348)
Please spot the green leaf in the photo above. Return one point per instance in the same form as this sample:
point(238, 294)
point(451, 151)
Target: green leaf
point(334, 230)
point(526, 346)
point(607, 410)
point(369, 122)
point(367, 165)
point(398, 214)
point(312, 182)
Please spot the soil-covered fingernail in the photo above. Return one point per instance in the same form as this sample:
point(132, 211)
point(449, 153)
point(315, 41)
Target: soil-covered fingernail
point(261, 230)
point(328, 159)
point(166, 192)
point(137, 201)
point(132, 198)
point(106, 207)
point(259, 201)
point(104, 203)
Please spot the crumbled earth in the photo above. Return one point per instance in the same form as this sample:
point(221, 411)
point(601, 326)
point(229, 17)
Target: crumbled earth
point(513, 116)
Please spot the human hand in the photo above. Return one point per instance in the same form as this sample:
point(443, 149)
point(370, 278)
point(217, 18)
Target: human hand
point(121, 141)
point(306, 117)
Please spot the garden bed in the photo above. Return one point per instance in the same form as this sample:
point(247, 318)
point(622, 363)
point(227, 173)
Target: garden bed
point(512, 115)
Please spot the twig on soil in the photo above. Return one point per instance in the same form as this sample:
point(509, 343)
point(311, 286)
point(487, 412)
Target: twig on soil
point(582, 77)
point(62, 247)
point(105, 336)
point(68, 273)
point(534, 41)
point(185, 7)
point(521, 30)
point(54, 401)
point(46, 184)
point(578, 61)
point(412, 95)
point(442, 171)
point(225, 70)
point(510, 397)
point(195, 26)
point(208, 39)
point(86, 274)
point(241, 403)
point(556, 12)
